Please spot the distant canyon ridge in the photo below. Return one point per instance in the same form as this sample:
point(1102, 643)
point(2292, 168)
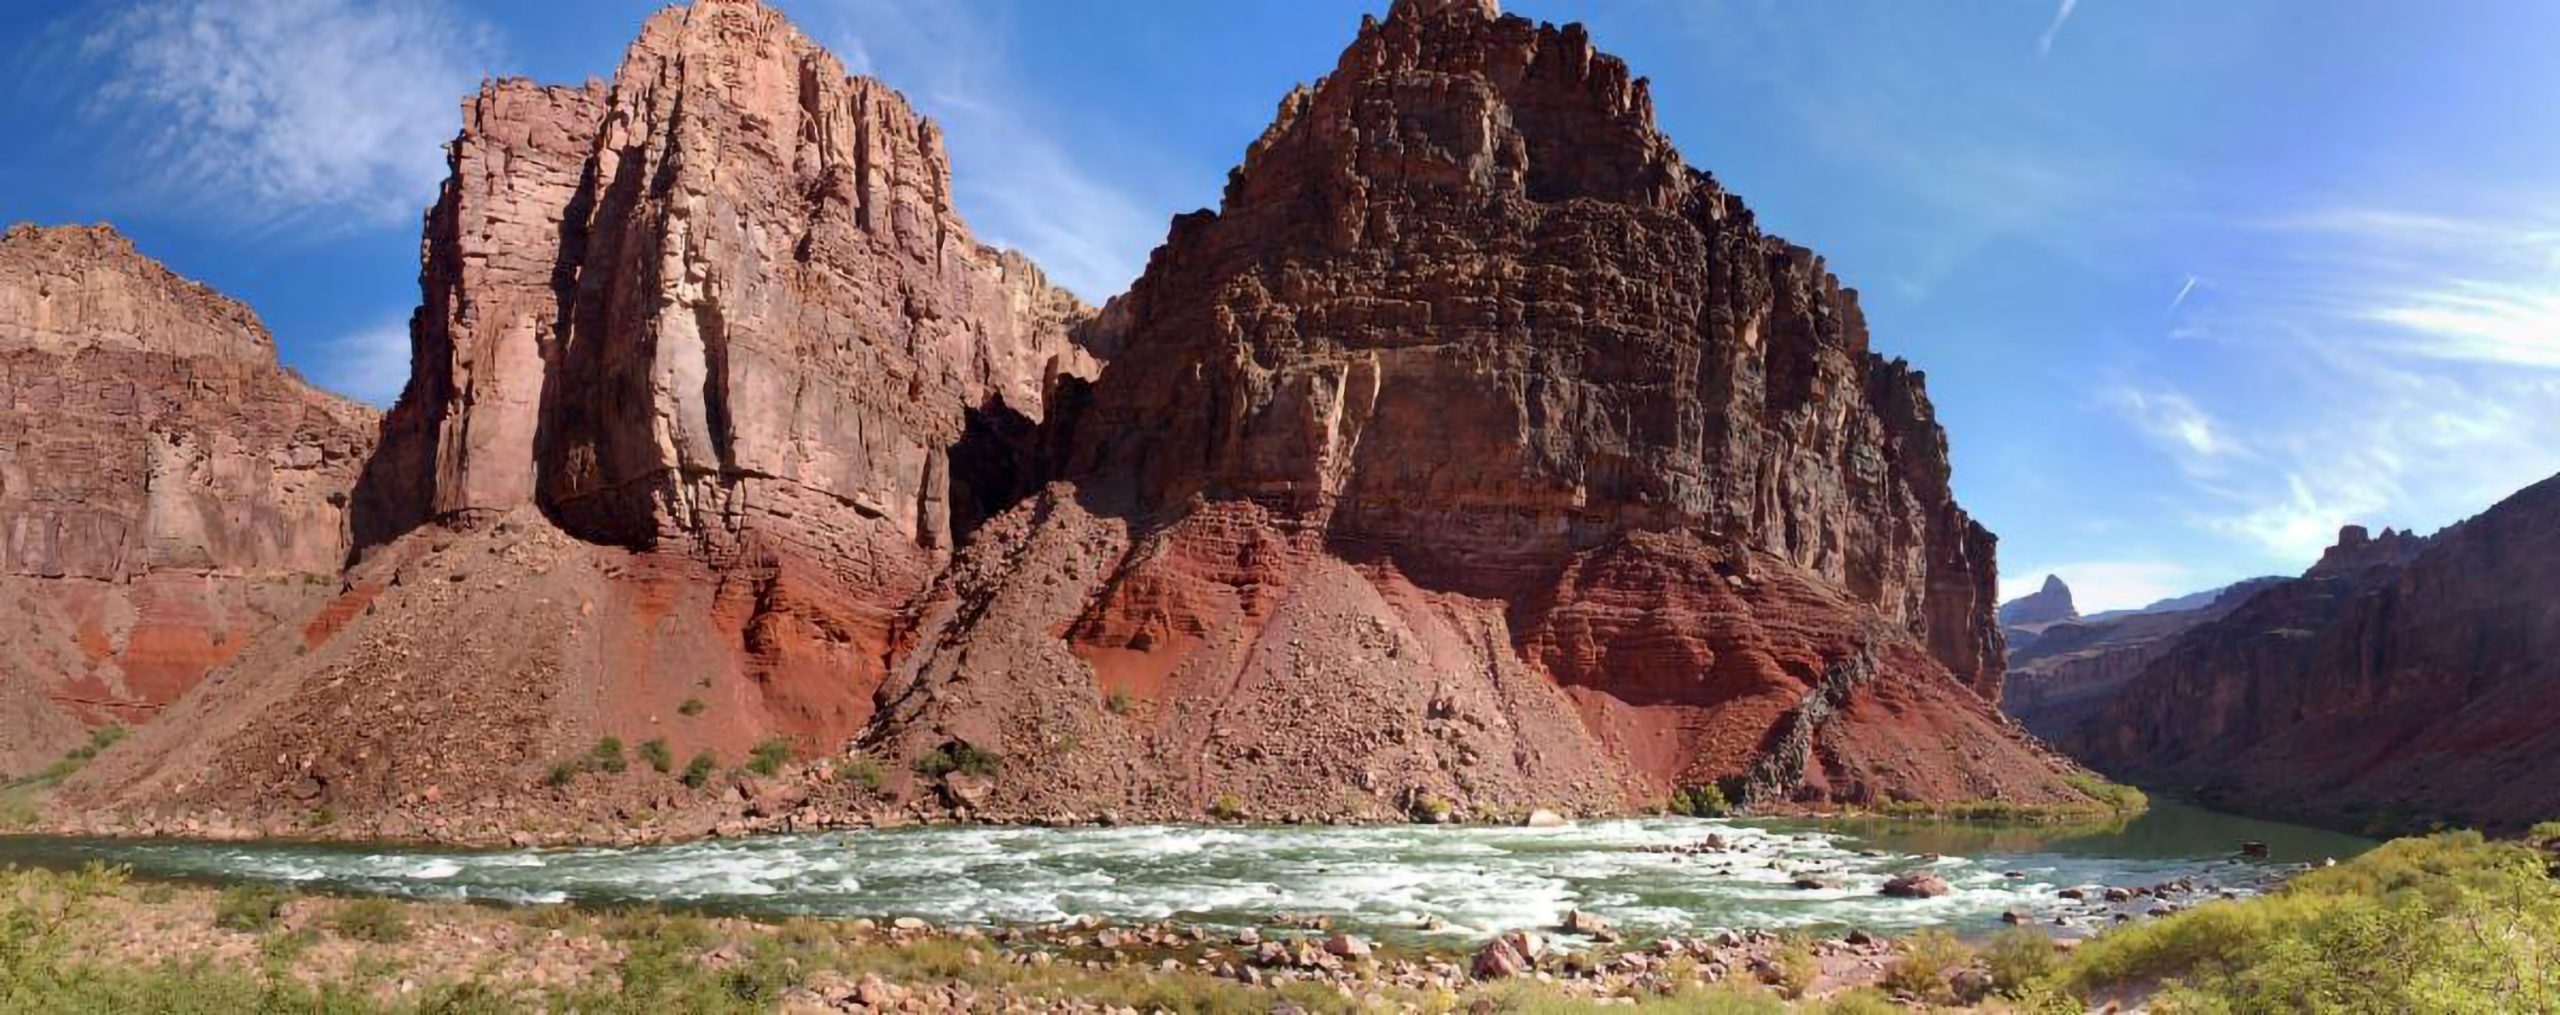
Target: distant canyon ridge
point(2397, 685)
point(1475, 457)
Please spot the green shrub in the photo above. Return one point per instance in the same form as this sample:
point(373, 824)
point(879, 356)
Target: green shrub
point(655, 752)
point(2019, 957)
point(378, 920)
point(697, 772)
point(282, 950)
point(1119, 703)
point(99, 739)
point(691, 707)
point(1797, 968)
point(861, 770)
point(606, 755)
point(562, 773)
point(1227, 807)
point(957, 756)
point(1928, 959)
point(1860, 1002)
point(769, 756)
point(250, 908)
point(1702, 801)
point(2116, 797)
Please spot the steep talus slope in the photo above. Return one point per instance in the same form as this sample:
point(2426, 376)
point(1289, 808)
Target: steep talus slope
point(695, 352)
point(166, 488)
point(2400, 681)
point(1477, 450)
point(1477, 455)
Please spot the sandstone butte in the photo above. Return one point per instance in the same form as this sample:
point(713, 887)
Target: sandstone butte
point(1475, 455)
point(2400, 682)
point(167, 489)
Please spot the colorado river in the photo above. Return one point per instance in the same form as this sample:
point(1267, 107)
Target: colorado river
point(1385, 880)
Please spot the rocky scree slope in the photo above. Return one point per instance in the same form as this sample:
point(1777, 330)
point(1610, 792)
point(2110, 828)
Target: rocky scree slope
point(1476, 454)
point(708, 380)
point(2400, 681)
point(167, 489)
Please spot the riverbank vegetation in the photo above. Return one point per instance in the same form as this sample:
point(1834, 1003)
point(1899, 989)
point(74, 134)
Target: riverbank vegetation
point(21, 799)
point(2450, 922)
point(2101, 801)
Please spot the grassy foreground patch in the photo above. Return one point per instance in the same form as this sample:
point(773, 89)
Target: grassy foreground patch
point(2450, 922)
point(2446, 923)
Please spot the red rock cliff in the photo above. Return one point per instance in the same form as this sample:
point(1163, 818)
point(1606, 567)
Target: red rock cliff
point(720, 307)
point(1478, 448)
point(166, 488)
point(708, 378)
point(2402, 680)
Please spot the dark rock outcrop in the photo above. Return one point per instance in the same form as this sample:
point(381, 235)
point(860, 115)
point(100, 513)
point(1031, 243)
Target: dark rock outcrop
point(2402, 680)
point(167, 489)
point(1477, 449)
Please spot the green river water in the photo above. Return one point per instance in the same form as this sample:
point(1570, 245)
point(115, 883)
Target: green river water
point(1383, 880)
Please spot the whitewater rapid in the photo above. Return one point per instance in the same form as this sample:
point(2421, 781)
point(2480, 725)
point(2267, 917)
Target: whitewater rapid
point(1428, 884)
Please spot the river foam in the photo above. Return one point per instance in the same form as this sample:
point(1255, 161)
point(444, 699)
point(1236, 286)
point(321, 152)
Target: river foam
point(1467, 882)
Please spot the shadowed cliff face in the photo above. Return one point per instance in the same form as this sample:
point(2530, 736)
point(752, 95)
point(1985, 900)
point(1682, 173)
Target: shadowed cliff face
point(2399, 681)
point(2062, 672)
point(722, 307)
point(1474, 408)
point(165, 486)
point(1468, 307)
point(695, 353)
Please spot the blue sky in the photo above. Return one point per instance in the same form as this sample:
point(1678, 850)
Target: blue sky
point(2195, 281)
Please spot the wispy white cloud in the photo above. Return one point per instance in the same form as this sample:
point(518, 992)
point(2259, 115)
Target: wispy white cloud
point(2405, 364)
point(2201, 443)
point(2467, 288)
point(1018, 179)
point(2062, 14)
point(312, 111)
point(369, 365)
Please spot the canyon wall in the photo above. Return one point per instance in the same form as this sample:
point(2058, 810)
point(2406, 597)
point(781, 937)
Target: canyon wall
point(695, 353)
point(2401, 681)
point(2063, 672)
point(1477, 455)
point(1478, 449)
point(166, 488)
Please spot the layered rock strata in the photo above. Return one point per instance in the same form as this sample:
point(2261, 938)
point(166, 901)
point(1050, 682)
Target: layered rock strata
point(1478, 449)
point(1476, 456)
point(167, 488)
point(2061, 673)
point(721, 307)
point(2402, 681)
point(708, 379)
